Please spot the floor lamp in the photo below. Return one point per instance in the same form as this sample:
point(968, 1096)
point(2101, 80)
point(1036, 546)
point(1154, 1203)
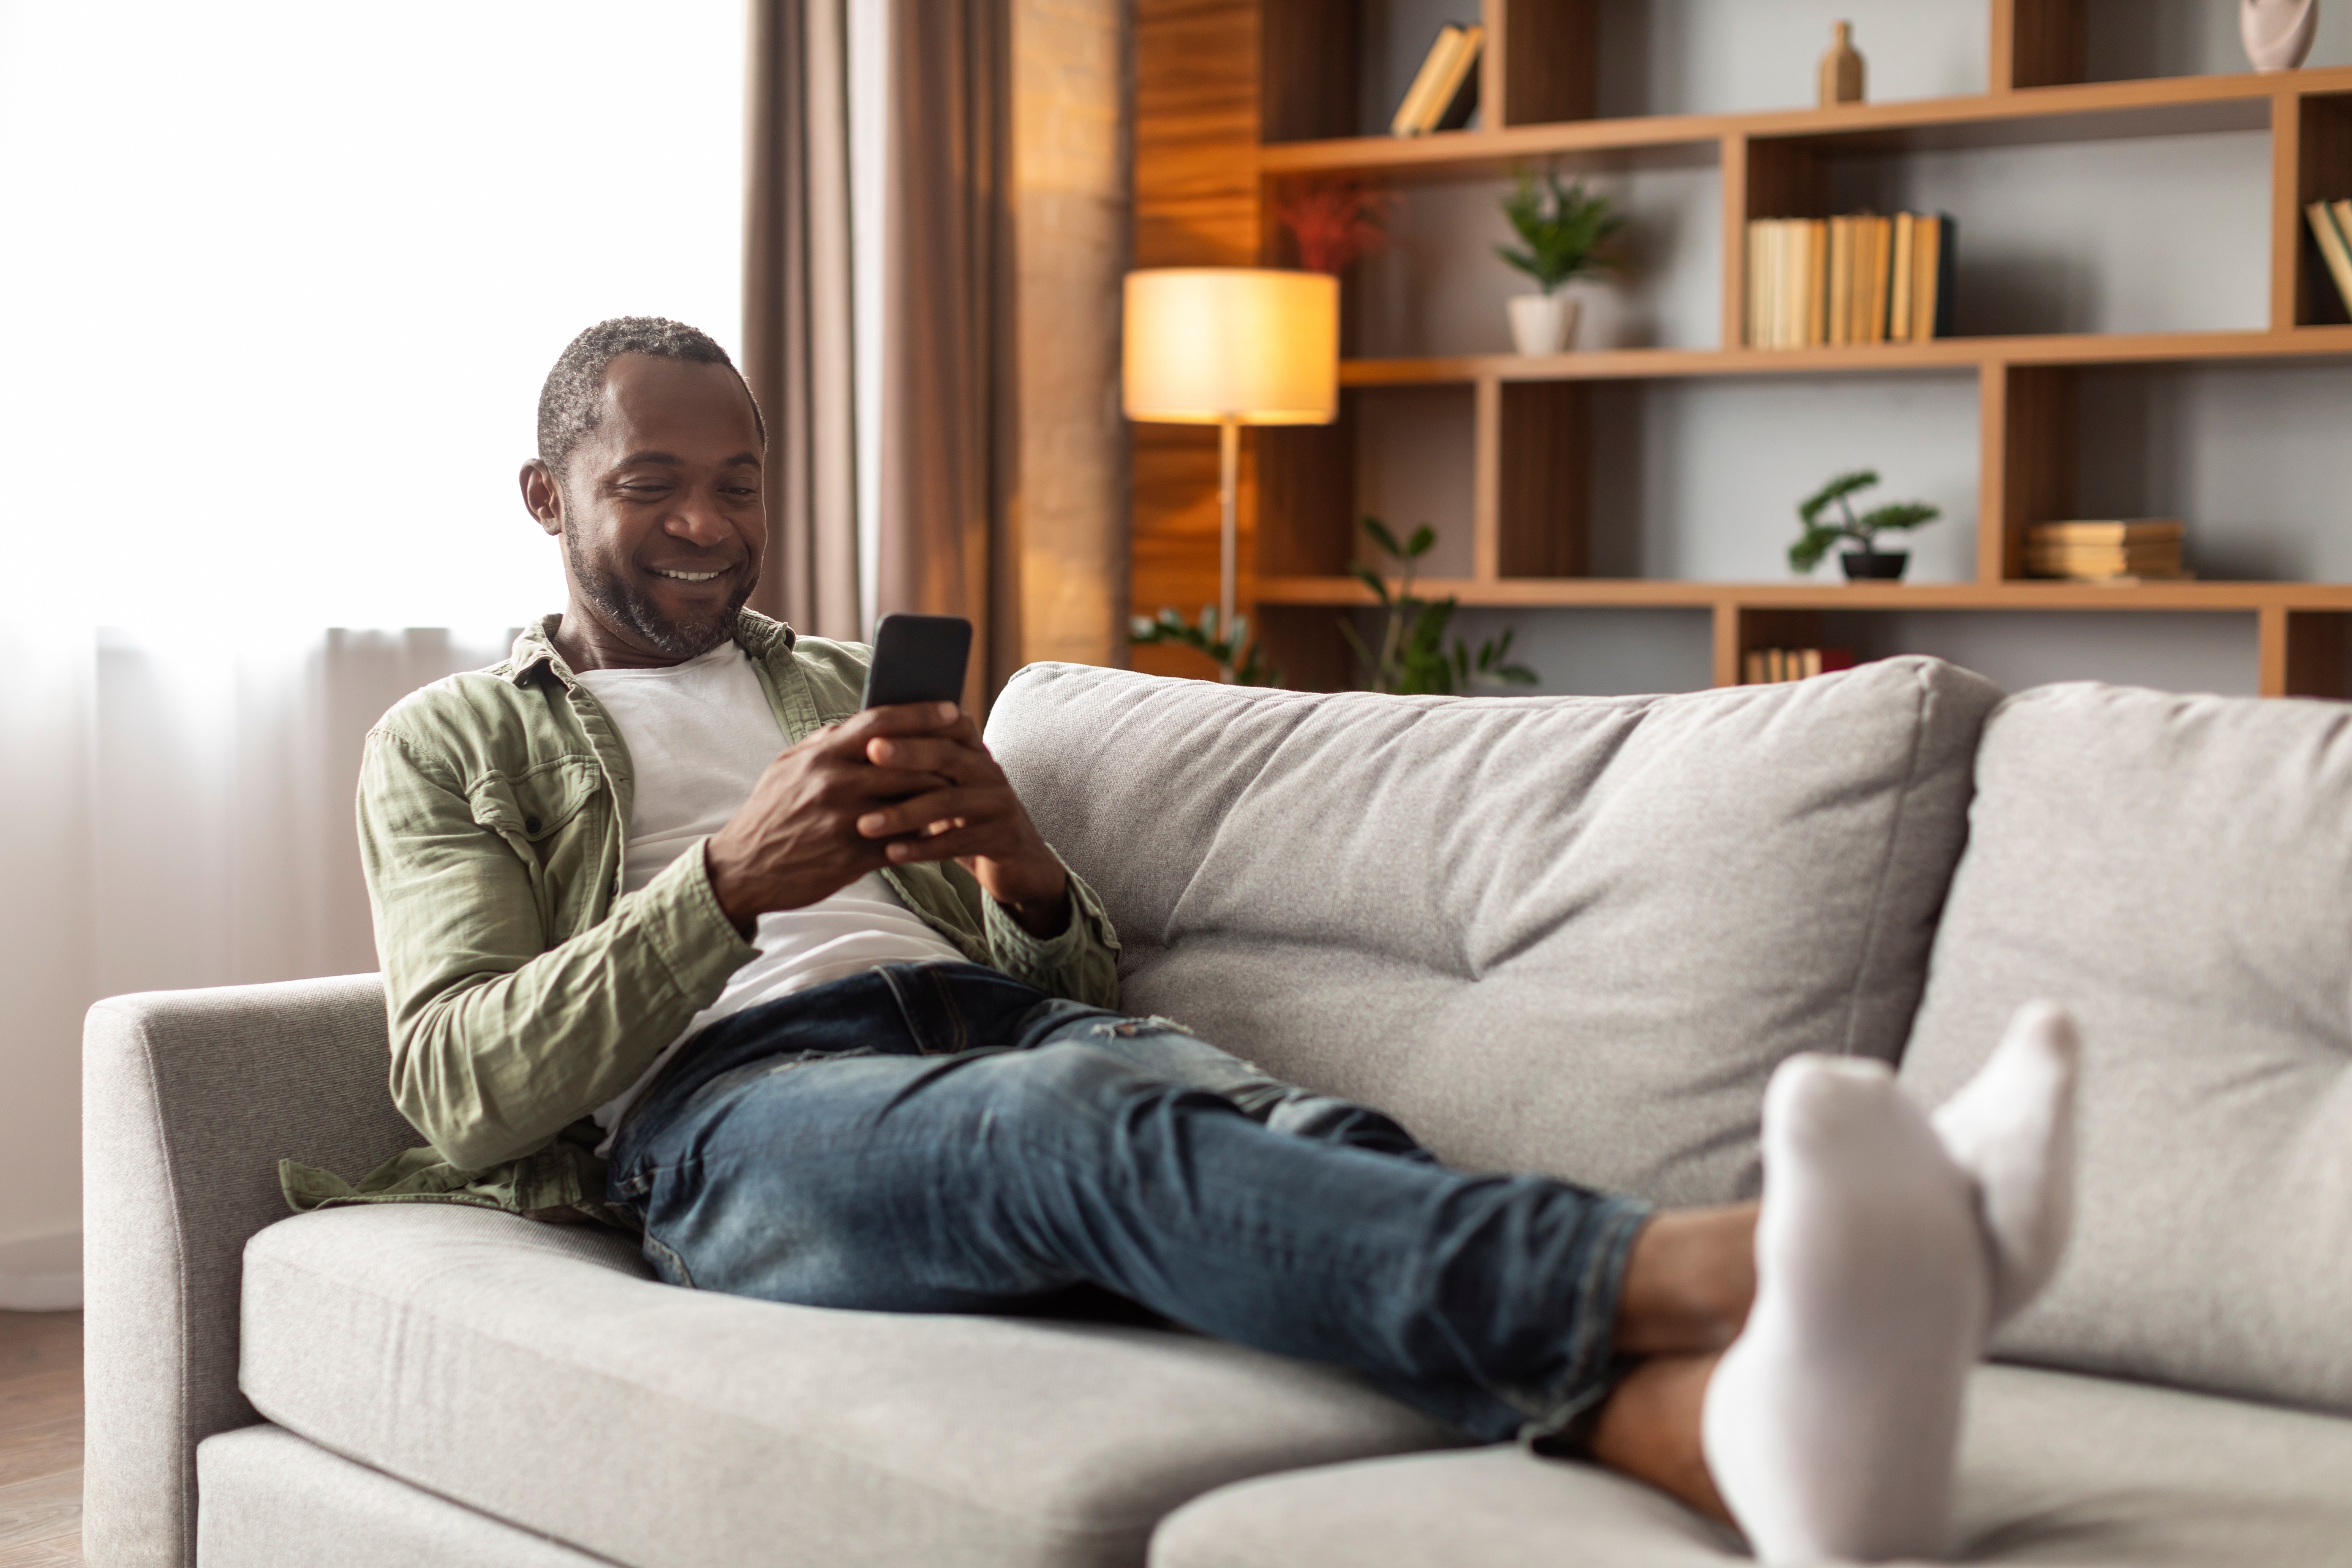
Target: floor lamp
point(1230, 347)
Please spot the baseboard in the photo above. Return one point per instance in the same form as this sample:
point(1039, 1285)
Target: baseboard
point(41, 1273)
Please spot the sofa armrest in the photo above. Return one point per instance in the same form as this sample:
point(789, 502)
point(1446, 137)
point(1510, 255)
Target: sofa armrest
point(189, 1101)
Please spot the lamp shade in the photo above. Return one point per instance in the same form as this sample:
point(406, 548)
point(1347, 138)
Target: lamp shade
point(1205, 344)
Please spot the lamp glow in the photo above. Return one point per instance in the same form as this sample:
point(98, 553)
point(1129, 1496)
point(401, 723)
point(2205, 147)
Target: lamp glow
point(1230, 347)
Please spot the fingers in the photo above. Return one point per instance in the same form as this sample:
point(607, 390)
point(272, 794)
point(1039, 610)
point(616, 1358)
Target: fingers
point(851, 735)
point(940, 755)
point(916, 815)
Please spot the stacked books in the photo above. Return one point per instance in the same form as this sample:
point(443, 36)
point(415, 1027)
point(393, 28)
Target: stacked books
point(1769, 665)
point(2331, 225)
point(2146, 550)
point(1861, 278)
point(1445, 90)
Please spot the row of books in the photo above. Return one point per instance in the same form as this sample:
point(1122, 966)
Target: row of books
point(1771, 666)
point(1445, 90)
point(2133, 550)
point(2331, 225)
point(1859, 278)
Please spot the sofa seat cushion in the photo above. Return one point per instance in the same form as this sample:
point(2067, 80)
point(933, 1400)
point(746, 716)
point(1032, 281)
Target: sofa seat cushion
point(1572, 935)
point(2177, 870)
point(539, 1375)
point(2054, 1468)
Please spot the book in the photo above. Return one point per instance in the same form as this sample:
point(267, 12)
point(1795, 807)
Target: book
point(1899, 279)
point(1934, 255)
point(1772, 666)
point(1456, 98)
point(1841, 280)
point(2327, 229)
point(1882, 251)
point(1815, 281)
point(2107, 530)
point(1407, 120)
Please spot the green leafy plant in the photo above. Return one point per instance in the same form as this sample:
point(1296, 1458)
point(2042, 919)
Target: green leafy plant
point(1236, 657)
point(1821, 532)
point(1564, 232)
point(1413, 655)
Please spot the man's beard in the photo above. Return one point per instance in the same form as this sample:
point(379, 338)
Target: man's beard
point(622, 605)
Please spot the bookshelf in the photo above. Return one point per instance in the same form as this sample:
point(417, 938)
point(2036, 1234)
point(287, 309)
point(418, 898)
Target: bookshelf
point(1234, 95)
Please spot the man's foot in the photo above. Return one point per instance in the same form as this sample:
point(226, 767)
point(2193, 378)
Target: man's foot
point(1830, 1425)
point(2011, 1129)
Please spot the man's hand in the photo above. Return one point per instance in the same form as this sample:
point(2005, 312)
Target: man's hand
point(969, 814)
point(797, 839)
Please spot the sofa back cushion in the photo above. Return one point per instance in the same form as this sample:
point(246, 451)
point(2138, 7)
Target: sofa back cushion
point(2177, 870)
point(1563, 935)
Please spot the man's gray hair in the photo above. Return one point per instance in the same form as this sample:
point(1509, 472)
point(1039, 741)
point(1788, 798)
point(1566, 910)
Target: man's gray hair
point(574, 394)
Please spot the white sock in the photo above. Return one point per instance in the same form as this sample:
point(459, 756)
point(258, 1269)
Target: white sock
point(1830, 1424)
point(2011, 1128)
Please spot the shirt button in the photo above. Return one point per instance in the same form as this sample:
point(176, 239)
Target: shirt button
point(531, 824)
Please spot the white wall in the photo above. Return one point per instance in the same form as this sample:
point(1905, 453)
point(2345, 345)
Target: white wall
point(1699, 478)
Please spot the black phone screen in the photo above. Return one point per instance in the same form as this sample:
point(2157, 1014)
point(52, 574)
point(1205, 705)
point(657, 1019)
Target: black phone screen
point(918, 659)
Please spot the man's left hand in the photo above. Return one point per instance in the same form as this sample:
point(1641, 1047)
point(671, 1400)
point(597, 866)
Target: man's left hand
point(974, 818)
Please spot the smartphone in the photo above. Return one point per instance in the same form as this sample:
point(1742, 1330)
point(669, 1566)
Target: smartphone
point(918, 659)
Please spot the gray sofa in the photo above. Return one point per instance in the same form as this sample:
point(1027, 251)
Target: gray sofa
point(1572, 935)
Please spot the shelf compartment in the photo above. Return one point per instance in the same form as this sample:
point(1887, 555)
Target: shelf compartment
point(2084, 111)
point(1534, 593)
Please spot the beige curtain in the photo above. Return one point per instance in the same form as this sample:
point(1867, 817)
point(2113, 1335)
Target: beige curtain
point(949, 427)
point(796, 311)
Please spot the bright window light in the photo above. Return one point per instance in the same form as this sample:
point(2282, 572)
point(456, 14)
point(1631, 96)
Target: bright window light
point(282, 280)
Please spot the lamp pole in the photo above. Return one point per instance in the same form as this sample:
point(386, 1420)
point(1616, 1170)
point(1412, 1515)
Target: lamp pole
point(1229, 463)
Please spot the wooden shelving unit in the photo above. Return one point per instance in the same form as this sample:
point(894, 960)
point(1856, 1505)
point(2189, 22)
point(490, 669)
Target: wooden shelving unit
point(1532, 422)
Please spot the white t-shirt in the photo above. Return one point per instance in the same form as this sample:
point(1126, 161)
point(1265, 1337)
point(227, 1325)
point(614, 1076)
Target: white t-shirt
point(700, 734)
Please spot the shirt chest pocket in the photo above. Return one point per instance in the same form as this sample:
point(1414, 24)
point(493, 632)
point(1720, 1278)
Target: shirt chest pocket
point(542, 813)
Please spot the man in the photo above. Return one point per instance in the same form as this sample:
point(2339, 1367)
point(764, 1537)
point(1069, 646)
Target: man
point(677, 938)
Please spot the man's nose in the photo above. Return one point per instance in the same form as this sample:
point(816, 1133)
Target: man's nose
point(698, 519)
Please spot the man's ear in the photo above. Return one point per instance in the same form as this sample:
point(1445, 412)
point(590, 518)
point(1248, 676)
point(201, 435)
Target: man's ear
point(542, 497)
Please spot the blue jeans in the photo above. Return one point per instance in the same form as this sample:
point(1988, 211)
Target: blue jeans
point(937, 1137)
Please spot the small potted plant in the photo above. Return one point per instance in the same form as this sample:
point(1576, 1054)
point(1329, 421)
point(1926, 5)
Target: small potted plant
point(1563, 235)
point(1821, 532)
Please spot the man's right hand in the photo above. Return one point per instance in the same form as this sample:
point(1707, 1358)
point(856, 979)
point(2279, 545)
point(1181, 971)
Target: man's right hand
point(797, 840)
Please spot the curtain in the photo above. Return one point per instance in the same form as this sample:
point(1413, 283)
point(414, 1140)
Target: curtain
point(947, 436)
point(796, 310)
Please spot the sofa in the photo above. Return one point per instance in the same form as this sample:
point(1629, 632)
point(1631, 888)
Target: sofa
point(1573, 935)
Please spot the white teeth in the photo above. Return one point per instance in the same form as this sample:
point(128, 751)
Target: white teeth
point(686, 576)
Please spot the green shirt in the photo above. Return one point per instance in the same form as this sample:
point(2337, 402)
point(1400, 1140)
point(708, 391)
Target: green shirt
point(524, 988)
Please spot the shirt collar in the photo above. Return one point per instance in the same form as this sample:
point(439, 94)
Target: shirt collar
point(754, 633)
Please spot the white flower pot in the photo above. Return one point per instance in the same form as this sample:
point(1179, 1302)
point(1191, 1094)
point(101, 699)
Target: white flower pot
point(1542, 323)
point(2277, 33)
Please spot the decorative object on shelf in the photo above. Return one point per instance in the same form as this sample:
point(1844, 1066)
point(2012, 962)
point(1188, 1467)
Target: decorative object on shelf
point(1412, 656)
point(1842, 69)
point(1334, 222)
point(1772, 666)
point(1869, 563)
point(2331, 225)
point(1859, 278)
point(1230, 347)
point(2141, 550)
point(2277, 33)
point(1444, 91)
point(1237, 657)
point(1564, 235)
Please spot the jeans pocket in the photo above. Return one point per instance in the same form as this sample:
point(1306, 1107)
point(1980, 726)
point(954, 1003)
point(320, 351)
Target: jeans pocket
point(667, 1263)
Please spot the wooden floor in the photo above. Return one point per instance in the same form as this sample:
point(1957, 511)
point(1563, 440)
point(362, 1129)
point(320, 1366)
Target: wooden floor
point(40, 1439)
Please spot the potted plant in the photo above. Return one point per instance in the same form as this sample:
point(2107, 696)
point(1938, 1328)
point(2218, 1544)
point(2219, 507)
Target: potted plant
point(1821, 532)
point(1563, 234)
point(1412, 658)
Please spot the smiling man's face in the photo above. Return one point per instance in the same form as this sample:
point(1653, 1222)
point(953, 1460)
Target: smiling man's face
point(659, 511)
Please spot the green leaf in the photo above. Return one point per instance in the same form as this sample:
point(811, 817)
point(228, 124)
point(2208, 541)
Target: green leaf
point(1898, 514)
point(1383, 538)
point(1417, 545)
point(1836, 489)
point(1372, 580)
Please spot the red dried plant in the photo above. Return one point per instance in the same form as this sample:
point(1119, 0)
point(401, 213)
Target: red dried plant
point(1335, 221)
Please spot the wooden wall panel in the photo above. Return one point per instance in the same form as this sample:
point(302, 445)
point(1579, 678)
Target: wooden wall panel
point(1196, 204)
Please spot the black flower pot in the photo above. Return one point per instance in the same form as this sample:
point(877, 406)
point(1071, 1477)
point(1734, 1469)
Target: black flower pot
point(1874, 565)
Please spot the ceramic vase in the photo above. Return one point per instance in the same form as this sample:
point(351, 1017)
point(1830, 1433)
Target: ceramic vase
point(2277, 33)
point(1842, 70)
point(1542, 323)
